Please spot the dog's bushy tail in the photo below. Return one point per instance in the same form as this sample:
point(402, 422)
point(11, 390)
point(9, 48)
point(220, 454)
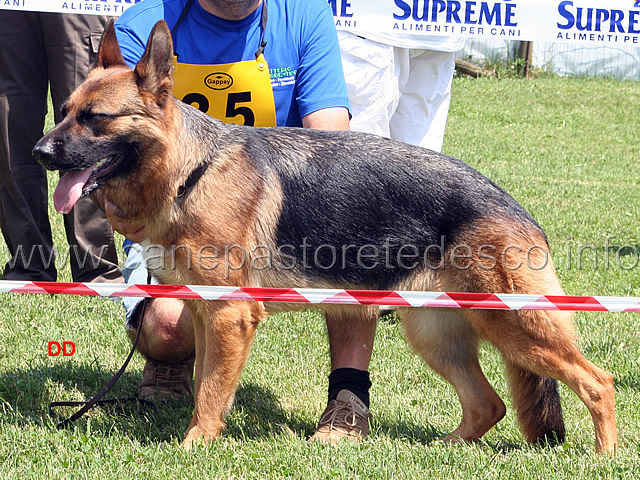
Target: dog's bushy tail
point(537, 402)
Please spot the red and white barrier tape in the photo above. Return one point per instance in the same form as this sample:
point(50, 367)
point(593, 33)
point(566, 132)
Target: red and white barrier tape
point(498, 301)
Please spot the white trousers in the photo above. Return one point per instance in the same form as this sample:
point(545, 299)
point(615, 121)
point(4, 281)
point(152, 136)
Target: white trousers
point(399, 93)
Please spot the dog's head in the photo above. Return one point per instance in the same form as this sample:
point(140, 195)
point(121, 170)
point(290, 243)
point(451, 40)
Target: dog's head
point(111, 120)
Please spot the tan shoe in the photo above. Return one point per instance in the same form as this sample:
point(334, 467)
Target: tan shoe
point(345, 417)
point(161, 381)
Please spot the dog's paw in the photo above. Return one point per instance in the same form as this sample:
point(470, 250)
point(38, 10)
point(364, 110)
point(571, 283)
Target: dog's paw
point(453, 439)
point(196, 436)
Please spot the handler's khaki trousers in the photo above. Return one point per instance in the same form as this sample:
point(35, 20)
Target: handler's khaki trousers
point(38, 50)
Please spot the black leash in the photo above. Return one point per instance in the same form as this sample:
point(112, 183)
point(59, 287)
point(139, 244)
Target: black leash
point(97, 398)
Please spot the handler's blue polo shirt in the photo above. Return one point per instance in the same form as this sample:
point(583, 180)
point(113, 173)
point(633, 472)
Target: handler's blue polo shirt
point(302, 48)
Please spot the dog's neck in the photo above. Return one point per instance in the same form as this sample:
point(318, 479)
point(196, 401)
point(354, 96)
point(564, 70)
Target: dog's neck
point(196, 174)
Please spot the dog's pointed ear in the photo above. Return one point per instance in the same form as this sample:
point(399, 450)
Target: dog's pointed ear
point(154, 71)
point(109, 54)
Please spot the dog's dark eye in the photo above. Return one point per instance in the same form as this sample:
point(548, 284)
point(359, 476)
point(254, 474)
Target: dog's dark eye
point(85, 116)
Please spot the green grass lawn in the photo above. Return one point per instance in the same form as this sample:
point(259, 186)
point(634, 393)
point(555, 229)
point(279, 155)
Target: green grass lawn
point(566, 149)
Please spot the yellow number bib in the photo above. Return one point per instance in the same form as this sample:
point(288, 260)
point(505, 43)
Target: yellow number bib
point(239, 93)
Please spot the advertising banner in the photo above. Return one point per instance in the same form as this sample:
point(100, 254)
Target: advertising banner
point(615, 22)
point(594, 22)
point(93, 7)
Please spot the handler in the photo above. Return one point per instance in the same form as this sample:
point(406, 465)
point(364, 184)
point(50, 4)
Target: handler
point(290, 75)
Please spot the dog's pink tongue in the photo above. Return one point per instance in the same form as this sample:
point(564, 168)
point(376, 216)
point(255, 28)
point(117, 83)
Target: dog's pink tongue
point(69, 189)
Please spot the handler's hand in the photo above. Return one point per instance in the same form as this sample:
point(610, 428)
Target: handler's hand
point(131, 230)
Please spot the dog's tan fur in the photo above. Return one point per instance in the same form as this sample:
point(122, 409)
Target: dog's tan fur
point(238, 203)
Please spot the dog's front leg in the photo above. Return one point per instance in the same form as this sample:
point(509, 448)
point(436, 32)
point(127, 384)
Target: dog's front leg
point(224, 332)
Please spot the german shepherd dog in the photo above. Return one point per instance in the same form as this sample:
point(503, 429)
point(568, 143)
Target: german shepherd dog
point(333, 210)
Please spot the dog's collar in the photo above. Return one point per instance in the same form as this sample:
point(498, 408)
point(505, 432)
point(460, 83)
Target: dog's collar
point(192, 179)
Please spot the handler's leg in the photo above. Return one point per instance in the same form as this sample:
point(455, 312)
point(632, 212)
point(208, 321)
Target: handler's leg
point(425, 95)
point(166, 340)
point(23, 182)
point(351, 332)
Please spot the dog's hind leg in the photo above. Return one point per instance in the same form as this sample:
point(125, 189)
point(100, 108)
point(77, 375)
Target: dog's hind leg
point(538, 342)
point(224, 333)
point(448, 344)
point(508, 256)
